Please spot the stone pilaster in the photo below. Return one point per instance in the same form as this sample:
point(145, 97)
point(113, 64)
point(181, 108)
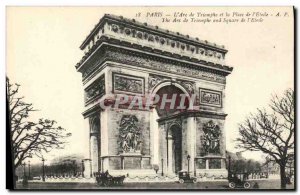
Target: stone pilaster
point(87, 173)
point(104, 139)
point(191, 141)
point(170, 155)
point(207, 164)
point(94, 152)
point(163, 149)
point(154, 129)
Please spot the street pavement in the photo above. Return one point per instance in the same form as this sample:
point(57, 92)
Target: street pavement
point(209, 185)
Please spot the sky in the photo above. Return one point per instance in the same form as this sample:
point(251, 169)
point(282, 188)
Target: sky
point(43, 48)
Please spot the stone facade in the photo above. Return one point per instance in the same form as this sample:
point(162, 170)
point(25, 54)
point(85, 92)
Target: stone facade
point(127, 57)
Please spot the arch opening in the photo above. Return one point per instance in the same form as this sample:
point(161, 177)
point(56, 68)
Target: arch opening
point(172, 100)
point(176, 134)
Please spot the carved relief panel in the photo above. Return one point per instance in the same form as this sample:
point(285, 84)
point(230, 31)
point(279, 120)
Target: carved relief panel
point(211, 138)
point(154, 80)
point(129, 134)
point(188, 85)
point(95, 90)
point(128, 84)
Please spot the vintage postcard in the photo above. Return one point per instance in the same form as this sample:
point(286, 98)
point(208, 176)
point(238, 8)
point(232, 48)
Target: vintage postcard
point(150, 98)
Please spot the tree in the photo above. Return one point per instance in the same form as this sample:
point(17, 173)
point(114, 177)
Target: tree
point(30, 138)
point(240, 164)
point(271, 132)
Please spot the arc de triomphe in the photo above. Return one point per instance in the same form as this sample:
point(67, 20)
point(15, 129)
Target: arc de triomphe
point(123, 56)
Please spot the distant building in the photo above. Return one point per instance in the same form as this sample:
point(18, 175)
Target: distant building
point(67, 159)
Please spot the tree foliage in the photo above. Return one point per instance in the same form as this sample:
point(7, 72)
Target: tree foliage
point(30, 138)
point(243, 165)
point(271, 132)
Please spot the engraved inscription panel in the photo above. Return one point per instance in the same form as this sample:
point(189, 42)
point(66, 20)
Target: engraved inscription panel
point(210, 97)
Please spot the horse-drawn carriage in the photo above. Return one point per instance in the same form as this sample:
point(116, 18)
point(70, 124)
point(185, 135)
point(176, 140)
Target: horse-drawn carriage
point(105, 179)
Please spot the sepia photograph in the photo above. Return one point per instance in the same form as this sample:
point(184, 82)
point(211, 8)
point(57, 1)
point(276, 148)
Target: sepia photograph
point(150, 98)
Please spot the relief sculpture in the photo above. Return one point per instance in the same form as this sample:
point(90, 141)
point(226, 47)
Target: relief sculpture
point(97, 89)
point(189, 86)
point(130, 135)
point(211, 139)
point(154, 80)
point(132, 85)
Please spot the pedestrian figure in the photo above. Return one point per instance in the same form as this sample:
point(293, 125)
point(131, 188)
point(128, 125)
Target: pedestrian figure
point(256, 186)
point(25, 182)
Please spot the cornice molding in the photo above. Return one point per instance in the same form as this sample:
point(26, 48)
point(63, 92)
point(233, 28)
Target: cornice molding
point(104, 40)
point(92, 110)
point(108, 18)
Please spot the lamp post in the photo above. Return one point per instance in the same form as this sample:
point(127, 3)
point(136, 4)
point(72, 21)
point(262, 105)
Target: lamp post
point(24, 167)
point(268, 160)
point(102, 159)
point(195, 166)
point(188, 158)
point(74, 168)
point(162, 167)
point(29, 169)
point(82, 168)
point(229, 165)
point(43, 160)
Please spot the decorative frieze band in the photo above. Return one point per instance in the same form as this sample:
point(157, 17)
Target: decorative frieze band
point(165, 67)
point(133, 29)
point(164, 41)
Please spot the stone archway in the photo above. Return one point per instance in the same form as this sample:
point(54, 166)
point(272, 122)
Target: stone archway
point(170, 146)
